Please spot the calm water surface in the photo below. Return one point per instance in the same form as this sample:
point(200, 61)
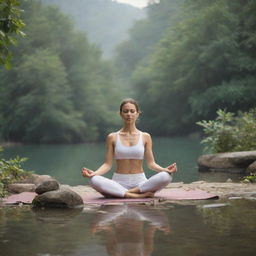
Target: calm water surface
point(64, 162)
point(133, 230)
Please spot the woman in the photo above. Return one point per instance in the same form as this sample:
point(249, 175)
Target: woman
point(129, 146)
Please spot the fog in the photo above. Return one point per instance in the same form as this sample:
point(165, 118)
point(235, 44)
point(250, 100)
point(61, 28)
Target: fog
point(181, 59)
point(105, 22)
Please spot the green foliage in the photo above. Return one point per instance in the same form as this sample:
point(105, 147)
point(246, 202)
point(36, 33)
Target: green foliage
point(236, 94)
point(43, 95)
point(250, 178)
point(11, 171)
point(145, 34)
point(10, 26)
point(59, 90)
point(219, 132)
point(203, 61)
point(230, 133)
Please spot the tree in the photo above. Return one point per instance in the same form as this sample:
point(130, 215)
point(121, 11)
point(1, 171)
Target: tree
point(10, 25)
point(59, 89)
point(145, 34)
point(41, 110)
point(203, 62)
point(105, 21)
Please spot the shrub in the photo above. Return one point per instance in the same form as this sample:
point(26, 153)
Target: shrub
point(230, 133)
point(11, 171)
point(250, 178)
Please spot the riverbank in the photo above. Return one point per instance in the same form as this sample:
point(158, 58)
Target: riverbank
point(9, 143)
point(24, 193)
point(223, 190)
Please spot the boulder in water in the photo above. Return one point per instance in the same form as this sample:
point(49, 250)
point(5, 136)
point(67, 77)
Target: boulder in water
point(251, 168)
point(61, 198)
point(231, 161)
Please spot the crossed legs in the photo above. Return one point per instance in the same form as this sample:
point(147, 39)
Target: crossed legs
point(109, 187)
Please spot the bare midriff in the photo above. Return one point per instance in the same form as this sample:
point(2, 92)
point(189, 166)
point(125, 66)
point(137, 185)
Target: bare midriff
point(129, 166)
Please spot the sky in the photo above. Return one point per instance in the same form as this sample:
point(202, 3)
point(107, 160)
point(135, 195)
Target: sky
point(136, 3)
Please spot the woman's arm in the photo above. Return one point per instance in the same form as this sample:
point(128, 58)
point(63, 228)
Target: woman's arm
point(107, 165)
point(150, 157)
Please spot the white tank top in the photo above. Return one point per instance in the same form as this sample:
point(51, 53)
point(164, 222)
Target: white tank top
point(129, 152)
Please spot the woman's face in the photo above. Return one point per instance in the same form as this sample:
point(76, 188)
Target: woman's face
point(129, 113)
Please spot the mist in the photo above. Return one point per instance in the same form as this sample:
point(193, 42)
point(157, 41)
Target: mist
point(182, 60)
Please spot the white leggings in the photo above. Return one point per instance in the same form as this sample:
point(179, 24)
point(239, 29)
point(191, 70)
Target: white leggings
point(120, 183)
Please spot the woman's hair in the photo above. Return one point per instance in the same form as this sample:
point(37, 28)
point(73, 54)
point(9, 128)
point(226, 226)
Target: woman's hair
point(132, 101)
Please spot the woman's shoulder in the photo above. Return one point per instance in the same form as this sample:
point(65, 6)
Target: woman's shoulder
point(146, 135)
point(111, 136)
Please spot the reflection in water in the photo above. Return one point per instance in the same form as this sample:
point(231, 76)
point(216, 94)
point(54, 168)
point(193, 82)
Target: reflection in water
point(215, 176)
point(134, 229)
point(129, 229)
point(56, 216)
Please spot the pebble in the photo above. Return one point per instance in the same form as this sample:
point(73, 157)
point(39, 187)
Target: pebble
point(214, 205)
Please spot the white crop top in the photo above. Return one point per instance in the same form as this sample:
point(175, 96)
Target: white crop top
point(129, 152)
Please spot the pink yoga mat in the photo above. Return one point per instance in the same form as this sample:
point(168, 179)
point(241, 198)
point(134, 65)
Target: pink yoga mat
point(96, 198)
point(167, 194)
point(24, 197)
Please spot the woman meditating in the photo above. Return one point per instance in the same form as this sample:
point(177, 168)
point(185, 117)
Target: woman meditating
point(128, 147)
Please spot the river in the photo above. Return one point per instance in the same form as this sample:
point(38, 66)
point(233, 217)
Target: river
point(131, 230)
point(64, 162)
point(202, 227)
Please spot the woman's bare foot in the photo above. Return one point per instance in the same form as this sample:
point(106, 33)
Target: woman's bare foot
point(134, 190)
point(138, 195)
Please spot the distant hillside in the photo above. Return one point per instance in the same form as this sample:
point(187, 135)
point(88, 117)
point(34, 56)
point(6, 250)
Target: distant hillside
point(105, 22)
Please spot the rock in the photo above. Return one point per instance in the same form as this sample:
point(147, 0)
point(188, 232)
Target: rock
point(199, 182)
point(36, 179)
point(48, 185)
point(233, 161)
point(21, 187)
point(235, 198)
point(176, 184)
point(61, 198)
point(251, 168)
point(58, 216)
point(214, 205)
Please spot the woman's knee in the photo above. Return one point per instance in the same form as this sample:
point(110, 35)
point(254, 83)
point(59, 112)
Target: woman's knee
point(165, 177)
point(156, 182)
point(95, 180)
point(107, 187)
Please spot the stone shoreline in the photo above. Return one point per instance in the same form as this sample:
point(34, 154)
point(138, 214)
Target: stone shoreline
point(224, 190)
point(237, 162)
point(71, 196)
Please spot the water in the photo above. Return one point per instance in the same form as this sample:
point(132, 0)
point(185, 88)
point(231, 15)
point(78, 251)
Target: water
point(135, 230)
point(195, 228)
point(64, 162)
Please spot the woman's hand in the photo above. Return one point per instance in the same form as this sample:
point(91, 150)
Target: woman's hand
point(87, 172)
point(172, 168)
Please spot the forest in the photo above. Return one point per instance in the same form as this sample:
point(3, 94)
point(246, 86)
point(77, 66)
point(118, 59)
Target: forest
point(183, 61)
point(105, 22)
point(59, 89)
point(199, 56)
